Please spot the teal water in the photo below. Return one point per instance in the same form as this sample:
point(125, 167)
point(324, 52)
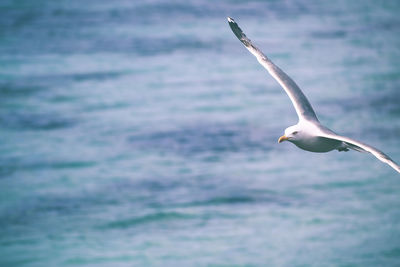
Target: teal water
point(144, 134)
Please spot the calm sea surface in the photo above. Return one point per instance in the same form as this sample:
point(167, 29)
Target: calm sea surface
point(143, 133)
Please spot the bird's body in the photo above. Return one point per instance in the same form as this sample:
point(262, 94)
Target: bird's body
point(309, 137)
point(308, 134)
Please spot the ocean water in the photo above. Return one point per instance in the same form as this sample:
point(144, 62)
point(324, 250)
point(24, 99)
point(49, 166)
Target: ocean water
point(143, 133)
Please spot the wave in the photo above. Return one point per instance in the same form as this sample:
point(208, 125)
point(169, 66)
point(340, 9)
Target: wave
point(149, 218)
point(31, 121)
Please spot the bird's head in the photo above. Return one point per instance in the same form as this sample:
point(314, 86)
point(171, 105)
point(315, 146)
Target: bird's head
point(292, 133)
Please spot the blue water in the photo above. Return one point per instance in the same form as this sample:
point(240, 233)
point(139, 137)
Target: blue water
point(142, 133)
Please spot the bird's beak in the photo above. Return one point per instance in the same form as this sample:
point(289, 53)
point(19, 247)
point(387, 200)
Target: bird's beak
point(282, 138)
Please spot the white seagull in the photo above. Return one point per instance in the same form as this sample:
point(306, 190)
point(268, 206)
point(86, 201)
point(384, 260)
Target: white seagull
point(308, 134)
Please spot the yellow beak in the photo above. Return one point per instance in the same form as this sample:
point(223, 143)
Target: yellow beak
point(282, 138)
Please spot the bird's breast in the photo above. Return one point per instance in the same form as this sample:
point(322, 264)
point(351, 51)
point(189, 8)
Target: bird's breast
point(317, 144)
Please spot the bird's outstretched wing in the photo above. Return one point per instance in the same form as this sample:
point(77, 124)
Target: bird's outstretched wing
point(299, 100)
point(361, 147)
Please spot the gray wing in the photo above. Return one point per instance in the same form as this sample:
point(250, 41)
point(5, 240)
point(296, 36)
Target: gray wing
point(299, 100)
point(361, 147)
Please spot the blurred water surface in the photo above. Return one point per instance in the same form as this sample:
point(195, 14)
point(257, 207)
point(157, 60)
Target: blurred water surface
point(142, 133)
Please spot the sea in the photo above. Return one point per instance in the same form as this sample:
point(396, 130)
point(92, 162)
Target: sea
point(143, 133)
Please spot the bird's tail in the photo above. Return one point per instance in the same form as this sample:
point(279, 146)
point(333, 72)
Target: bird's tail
point(353, 147)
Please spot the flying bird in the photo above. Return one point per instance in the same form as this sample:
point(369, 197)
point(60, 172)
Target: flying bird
point(308, 134)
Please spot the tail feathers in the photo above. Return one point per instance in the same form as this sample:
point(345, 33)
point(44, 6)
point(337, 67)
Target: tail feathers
point(353, 147)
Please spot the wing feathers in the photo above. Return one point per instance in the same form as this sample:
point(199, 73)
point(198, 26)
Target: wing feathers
point(303, 107)
point(356, 145)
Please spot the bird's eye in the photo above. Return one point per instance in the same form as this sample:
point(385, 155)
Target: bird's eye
point(295, 132)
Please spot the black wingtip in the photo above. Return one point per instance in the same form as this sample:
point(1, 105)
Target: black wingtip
point(235, 28)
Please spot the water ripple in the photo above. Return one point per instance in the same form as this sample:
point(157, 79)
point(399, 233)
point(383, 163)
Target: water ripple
point(203, 138)
point(38, 121)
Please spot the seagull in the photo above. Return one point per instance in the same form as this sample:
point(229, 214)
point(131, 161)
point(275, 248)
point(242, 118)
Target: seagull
point(308, 134)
